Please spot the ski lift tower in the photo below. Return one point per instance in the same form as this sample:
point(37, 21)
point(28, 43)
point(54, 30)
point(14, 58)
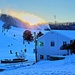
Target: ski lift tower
point(55, 19)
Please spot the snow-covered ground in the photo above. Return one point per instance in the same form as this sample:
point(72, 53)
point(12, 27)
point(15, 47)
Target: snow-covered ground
point(9, 42)
point(60, 67)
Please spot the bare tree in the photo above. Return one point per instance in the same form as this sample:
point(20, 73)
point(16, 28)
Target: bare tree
point(39, 34)
point(68, 47)
point(27, 35)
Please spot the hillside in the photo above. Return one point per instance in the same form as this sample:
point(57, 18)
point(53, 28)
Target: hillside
point(15, 22)
point(12, 21)
point(10, 42)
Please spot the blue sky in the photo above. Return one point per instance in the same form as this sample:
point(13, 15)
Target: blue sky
point(46, 9)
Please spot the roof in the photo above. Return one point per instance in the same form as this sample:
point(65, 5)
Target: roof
point(68, 33)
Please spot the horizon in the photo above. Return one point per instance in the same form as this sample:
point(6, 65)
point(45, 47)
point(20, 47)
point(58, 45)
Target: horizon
point(55, 22)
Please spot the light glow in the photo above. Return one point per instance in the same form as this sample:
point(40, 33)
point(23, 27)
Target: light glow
point(0, 11)
point(27, 17)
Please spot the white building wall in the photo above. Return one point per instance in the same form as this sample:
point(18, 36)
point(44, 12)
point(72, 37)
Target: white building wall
point(47, 49)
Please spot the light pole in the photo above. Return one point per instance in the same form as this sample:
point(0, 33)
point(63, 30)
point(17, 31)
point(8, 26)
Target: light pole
point(35, 41)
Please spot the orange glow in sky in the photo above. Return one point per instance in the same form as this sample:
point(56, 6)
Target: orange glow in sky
point(27, 17)
point(0, 11)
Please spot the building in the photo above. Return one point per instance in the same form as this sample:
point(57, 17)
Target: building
point(50, 43)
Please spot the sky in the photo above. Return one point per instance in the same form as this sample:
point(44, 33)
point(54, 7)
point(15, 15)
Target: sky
point(47, 10)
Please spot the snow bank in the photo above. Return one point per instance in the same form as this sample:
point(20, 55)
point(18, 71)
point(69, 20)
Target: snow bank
point(70, 59)
point(43, 68)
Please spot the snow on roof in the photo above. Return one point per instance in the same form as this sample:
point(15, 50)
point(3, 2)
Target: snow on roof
point(68, 33)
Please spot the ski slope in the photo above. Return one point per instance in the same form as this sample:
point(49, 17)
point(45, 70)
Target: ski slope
point(15, 43)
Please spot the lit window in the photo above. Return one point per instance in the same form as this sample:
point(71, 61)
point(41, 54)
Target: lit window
point(41, 44)
point(52, 43)
point(41, 57)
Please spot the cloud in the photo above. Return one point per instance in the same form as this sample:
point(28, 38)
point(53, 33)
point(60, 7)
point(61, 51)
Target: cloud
point(25, 16)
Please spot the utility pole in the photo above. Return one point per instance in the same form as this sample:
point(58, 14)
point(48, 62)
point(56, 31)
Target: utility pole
point(55, 19)
point(35, 41)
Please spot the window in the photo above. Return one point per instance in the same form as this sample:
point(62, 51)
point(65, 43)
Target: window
point(64, 46)
point(41, 57)
point(52, 43)
point(48, 57)
point(64, 43)
point(41, 44)
point(71, 41)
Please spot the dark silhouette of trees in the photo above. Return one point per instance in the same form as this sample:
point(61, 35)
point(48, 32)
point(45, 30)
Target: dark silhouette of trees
point(39, 34)
point(27, 35)
point(6, 26)
point(72, 46)
point(68, 47)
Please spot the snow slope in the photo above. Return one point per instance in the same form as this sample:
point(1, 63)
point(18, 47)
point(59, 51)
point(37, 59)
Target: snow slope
point(10, 42)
